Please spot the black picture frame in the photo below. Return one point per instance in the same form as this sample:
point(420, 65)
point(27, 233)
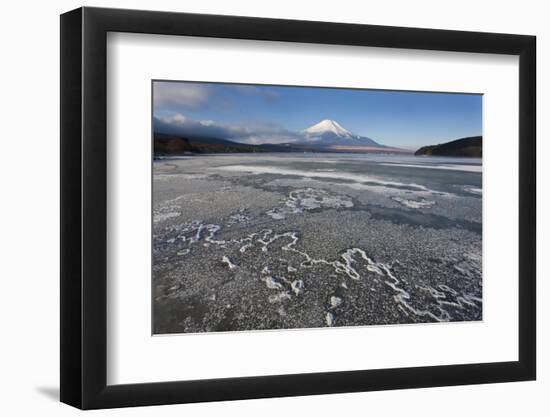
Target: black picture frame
point(84, 207)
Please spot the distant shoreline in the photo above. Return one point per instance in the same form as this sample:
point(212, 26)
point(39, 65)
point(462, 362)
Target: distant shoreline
point(320, 154)
point(167, 144)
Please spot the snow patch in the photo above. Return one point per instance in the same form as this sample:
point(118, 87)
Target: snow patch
point(451, 167)
point(273, 283)
point(227, 261)
point(298, 287)
point(335, 301)
point(330, 319)
point(278, 298)
point(473, 190)
point(162, 216)
point(307, 199)
point(414, 204)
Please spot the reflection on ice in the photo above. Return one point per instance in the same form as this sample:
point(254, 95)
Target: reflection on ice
point(453, 167)
point(342, 175)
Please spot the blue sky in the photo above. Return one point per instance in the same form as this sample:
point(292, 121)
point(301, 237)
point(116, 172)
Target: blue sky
point(260, 114)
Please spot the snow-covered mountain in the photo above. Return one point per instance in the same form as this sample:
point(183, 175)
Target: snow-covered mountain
point(325, 136)
point(330, 132)
point(328, 126)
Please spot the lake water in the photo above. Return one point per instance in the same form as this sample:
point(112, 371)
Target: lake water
point(281, 241)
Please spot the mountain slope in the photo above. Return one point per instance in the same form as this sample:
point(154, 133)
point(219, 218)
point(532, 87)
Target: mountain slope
point(465, 147)
point(173, 145)
point(170, 145)
point(325, 136)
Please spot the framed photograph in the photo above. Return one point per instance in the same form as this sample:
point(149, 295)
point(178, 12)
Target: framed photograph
point(257, 207)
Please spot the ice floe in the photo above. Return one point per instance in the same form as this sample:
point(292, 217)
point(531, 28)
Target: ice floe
point(299, 201)
point(415, 204)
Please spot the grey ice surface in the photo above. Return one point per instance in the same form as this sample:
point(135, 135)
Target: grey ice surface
point(279, 241)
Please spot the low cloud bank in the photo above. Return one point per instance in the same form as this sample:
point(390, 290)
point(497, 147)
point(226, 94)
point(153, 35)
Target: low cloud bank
point(257, 134)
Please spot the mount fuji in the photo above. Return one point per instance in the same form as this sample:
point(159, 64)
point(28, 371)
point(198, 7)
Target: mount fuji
point(325, 136)
point(329, 133)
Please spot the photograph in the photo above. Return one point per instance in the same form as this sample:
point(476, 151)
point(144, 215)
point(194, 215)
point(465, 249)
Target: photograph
point(294, 207)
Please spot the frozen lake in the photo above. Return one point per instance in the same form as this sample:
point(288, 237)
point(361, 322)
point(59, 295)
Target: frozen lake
point(280, 241)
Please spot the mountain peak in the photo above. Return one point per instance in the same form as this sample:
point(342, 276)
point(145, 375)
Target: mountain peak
point(328, 126)
point(330, 133)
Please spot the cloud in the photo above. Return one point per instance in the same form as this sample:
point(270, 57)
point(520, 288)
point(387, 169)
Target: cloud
point(271, 138)
point(183, 96)
point(260, 91)
point(254, 134)
point(175, 94)
point(175, 119)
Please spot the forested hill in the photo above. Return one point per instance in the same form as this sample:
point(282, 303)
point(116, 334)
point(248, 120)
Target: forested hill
point(466, 147)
